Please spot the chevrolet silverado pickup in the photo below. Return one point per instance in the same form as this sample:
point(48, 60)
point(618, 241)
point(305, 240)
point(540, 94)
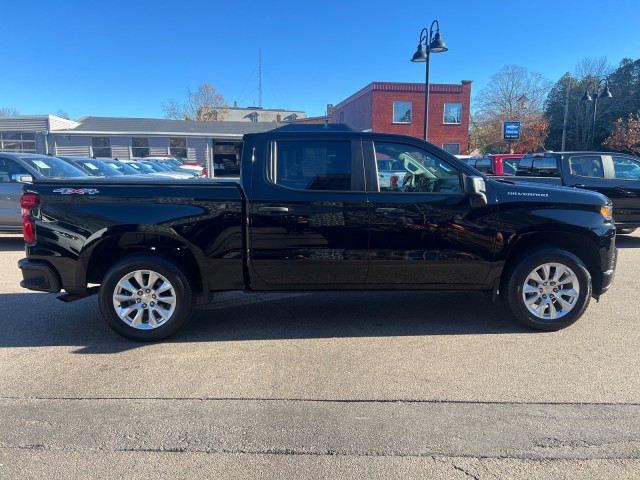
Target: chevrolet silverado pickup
point(309, 213)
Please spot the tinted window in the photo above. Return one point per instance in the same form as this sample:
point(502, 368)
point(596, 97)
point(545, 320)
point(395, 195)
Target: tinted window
point(586, 166)
point(524, 166)
point(483, 165)
point(313, 165)
point(626, 167)
point(545, 167)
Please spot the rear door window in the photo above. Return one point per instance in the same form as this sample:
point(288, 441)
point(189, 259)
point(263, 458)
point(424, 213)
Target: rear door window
point(545, 167)
point(313, 165)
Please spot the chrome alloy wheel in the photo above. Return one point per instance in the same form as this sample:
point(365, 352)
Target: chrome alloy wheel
point(144, 299)
point(551, 291)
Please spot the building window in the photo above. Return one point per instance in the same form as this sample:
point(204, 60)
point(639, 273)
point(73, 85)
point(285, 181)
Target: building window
point(17, 142)
point(101, 146)
point(453, 113)
point(178, 147)
point(139, 147)
point(452, 148)
point(253, 117)
point(402, 112)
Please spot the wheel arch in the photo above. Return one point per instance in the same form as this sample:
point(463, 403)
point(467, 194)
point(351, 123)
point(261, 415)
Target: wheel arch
point(110, 249)
point(580, 244)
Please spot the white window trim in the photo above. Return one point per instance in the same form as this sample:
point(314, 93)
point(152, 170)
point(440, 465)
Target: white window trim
point(444, 112)
point(393, 113)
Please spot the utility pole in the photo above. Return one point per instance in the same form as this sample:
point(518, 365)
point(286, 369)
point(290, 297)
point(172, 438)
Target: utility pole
point(566, 112)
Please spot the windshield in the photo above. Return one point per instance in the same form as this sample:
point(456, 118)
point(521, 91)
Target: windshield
point(141, 167)
point(98, 168)
point(124, 168)
point(155, 167)
point(53, 167)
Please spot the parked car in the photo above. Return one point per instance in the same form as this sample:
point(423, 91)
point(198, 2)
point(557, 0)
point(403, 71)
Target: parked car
point(93, 167)
point(17, 169)
point(146, 170)
point(496, 164)
point(615, 175)
point(176, 162)
point(124, 168)
point(159, 168)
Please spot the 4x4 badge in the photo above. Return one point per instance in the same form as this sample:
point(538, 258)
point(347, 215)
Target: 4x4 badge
point(76, 191)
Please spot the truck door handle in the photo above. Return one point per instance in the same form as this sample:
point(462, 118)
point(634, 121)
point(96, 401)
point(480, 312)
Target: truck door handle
point(273, 209)
point(384, 210)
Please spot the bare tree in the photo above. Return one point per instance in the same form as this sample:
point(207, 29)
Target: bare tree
point(203, 105)
point(62, 114)
point(8, 112)
point(512, 94)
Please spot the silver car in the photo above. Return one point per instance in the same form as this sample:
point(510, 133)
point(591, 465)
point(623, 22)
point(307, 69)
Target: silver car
point(19, 168)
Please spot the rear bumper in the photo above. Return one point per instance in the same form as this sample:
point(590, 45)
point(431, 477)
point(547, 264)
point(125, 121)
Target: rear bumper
point(39, 276)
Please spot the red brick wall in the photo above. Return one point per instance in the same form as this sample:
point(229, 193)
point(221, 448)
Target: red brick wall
point(372, 108)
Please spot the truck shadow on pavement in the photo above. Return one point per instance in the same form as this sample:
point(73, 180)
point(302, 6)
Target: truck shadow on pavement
point(40, 320)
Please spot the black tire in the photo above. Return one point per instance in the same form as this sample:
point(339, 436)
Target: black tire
point(625, 231)
point(548, 289)
point(160, 303)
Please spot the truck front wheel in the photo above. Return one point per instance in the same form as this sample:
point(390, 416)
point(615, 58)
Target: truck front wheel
point(145, 298)
point(548, 290)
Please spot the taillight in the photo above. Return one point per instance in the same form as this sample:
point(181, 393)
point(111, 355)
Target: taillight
point(393, 181)
point(28, 201)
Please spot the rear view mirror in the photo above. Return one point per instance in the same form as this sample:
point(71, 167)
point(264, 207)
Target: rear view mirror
point(21, 178)
point(476, 188)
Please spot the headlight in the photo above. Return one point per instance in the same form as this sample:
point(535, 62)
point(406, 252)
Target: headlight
point(607, 212)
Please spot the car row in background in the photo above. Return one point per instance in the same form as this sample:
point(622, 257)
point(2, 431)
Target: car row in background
point(19, 168)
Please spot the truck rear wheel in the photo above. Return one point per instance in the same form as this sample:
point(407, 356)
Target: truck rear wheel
point(548, 290)
point(145, 298)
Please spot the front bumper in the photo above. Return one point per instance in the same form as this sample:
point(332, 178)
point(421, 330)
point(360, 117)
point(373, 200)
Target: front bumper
point(39, 276)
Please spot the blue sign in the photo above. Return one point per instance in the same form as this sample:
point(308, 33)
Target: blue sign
point(512, 130)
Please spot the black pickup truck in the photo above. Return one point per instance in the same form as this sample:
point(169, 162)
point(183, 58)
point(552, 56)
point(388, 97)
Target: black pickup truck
point(615, 175)
point(309, 213)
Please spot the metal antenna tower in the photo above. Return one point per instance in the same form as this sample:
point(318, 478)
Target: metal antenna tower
point(260, 78)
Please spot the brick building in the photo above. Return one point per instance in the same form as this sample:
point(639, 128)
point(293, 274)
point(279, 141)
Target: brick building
point(393, 107)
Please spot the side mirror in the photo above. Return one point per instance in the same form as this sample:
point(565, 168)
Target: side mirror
point(21, 178)
point(476, 188)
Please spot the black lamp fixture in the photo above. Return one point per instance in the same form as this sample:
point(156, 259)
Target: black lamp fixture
point(593, 96)
point(429, 43)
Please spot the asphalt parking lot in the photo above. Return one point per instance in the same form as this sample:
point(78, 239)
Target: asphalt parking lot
point(368, 385)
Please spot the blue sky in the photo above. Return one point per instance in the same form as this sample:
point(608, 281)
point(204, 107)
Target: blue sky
point(124, 59)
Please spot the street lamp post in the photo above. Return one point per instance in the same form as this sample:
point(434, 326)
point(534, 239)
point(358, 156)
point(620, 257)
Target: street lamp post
point(429, 43)
point(587, 97)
